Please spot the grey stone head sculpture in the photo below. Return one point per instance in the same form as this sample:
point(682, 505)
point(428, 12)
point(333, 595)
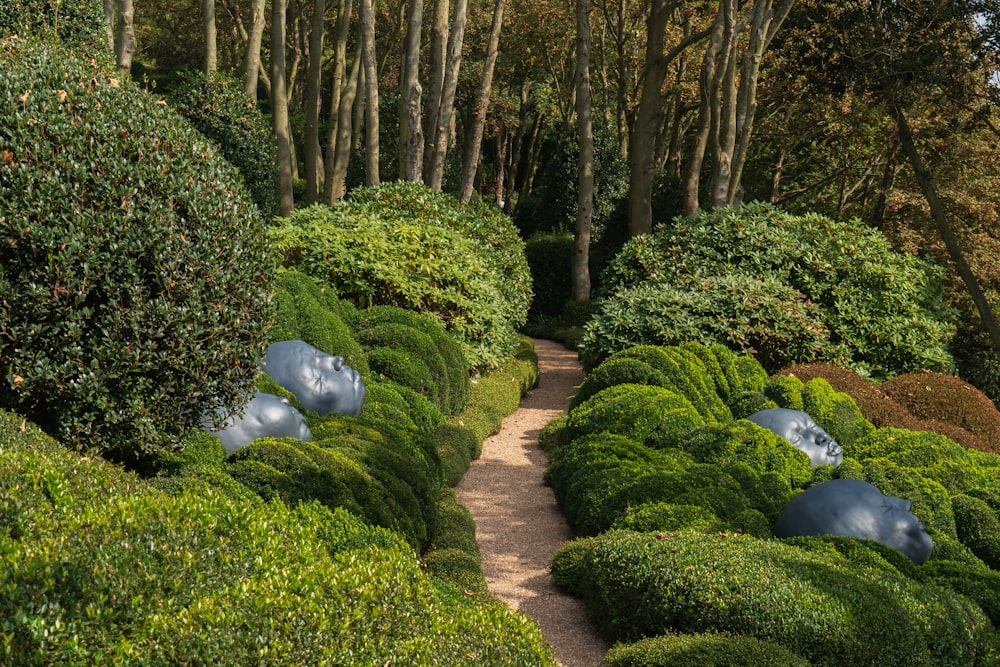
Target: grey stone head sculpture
point(855, 508)
point(802, 432)
point(321, 381)
point(265, 415)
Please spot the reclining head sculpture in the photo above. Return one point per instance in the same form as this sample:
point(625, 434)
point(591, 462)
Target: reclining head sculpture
point(855, 508)
point(802, 432)
point(320, 381)
point(265, 415)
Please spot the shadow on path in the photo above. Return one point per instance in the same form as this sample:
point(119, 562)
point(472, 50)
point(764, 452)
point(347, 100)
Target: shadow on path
point(519, 525)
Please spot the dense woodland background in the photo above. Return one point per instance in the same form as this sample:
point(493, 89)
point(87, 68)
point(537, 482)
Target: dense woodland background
point(605, 119)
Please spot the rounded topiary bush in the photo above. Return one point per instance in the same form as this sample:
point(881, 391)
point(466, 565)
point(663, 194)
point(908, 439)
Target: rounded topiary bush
point(219, 108)
point(134, 267)
point(634, 411)
point(785, 288)
point(713, 649)
point(948, 399)
point(978, 528)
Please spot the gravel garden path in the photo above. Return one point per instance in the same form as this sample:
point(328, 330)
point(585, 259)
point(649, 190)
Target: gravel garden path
point(519, 525)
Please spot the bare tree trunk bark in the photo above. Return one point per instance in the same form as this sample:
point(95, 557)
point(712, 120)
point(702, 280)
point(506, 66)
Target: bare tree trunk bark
point(371, 92)
point(534, 149)
point(926, 182)
point(336, 177)
point(446, 110)
point(210, 34)
point(279, 108)
point(110, 12)
point(474, 138)
point(435, 79)
point(580, 259)
point(341, 32)
point(691, 172)
point(411, 132)
point(724, 107)
point(251, 60)
point(125, 36)
point(313, 152)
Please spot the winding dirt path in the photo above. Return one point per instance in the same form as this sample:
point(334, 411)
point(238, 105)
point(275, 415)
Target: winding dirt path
point(518, 524)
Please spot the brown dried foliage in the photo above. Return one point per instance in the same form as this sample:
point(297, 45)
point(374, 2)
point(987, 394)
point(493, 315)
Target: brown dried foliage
point(958, 414)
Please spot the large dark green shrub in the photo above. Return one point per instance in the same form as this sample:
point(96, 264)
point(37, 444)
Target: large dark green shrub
point(373, 254)
point(75, 24)
point(828, 610)
point(549, 255)
point(133, 268)
point(99, 567)
point(786, 288)
point(219, 108)
point(714, 649)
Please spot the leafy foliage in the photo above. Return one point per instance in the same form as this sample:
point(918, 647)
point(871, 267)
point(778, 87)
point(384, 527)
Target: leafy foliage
point(134, 268)
point(548, 255)
point(94, 556)
point(74, 24)
point(784, 288)
point(219, 109)
point(402, 245)
point(713, 649)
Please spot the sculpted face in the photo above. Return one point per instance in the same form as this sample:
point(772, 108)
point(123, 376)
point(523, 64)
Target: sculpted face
point(854, 508)
point(802, 432)
point(265, 415)
point(320, 381)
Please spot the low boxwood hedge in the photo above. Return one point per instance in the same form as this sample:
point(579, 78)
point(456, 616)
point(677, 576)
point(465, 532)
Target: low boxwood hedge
point(710, 649)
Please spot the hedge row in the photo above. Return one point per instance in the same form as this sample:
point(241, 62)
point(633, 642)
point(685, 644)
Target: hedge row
point(679, 499)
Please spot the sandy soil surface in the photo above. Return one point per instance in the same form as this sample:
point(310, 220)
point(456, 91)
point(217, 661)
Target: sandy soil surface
point(518, 524)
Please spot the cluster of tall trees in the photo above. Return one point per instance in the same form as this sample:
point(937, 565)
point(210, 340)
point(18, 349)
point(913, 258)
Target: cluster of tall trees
point(848, 108)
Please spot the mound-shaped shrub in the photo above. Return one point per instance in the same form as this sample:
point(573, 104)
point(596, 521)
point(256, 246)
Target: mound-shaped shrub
point(745, 442)
point(134, 266)
point(455, 383)
point(635, 411)
point(220, 109)
point(306, 310)
point(700, 279)
point(92, 555)
point(881, 409)
point(827, 610)
point(75, 24)
point(713, 649)
point(978, 528)
point(402, 245)
point(948, 399)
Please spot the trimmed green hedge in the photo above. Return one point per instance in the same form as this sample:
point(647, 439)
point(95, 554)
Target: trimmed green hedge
point(827, 610)
point(101, 568)
point(711, 649)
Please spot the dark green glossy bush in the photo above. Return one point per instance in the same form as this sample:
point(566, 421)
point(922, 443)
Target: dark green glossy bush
point(548, 255)
point(784, 288)
point(220, 109)
point(828, 610)
point(714, 649)
point(134, 267)
point(75, 24)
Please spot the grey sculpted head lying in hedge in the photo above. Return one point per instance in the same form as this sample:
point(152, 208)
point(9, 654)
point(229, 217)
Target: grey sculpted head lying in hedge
point(320, 381)
point(855, 508)
point(265, 415)
point(800, 430)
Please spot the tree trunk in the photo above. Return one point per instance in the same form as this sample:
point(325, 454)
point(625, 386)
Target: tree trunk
point(474, 137)
point(336, 177)
point(926, 182)
point(110, 12)
point(279, 108)
point(580, 259)
point(210, 33)
point(341, 32)
point(435, 79)
point(723, 136)
point(371, 92)
point(446, 110)
point(411, 132)
point(125, 36)
point(313, 153)
point(251, 60)
point(691, 172)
